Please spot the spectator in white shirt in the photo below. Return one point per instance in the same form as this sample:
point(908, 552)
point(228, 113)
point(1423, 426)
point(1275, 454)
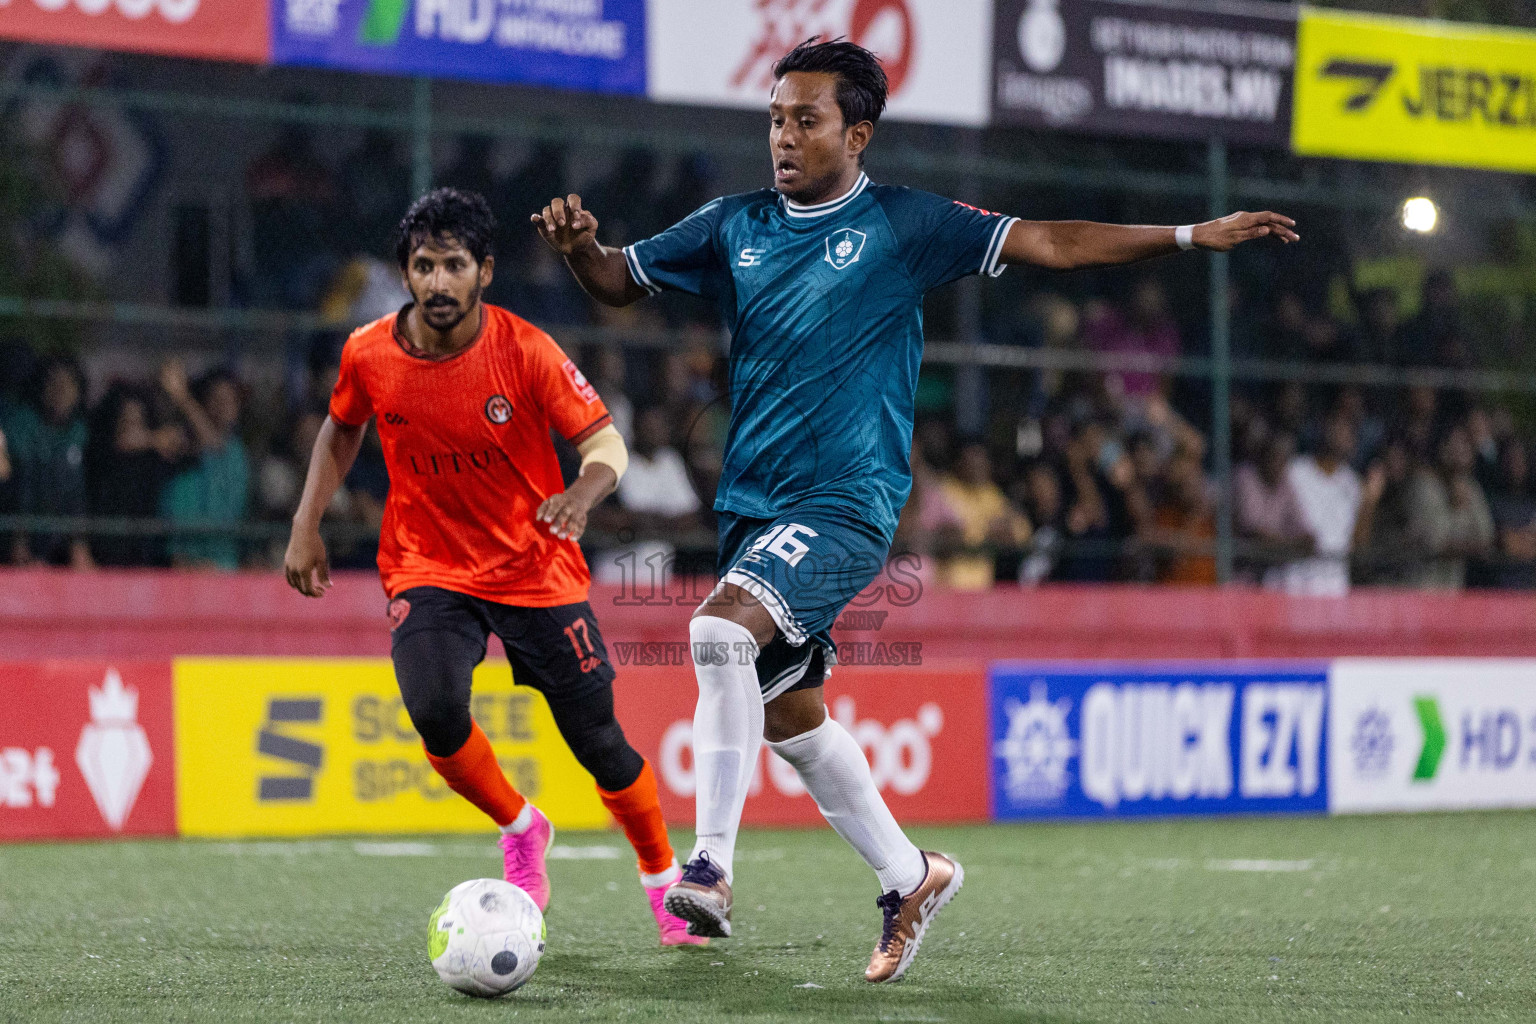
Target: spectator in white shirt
point(1336, 510)
point(1267, 512)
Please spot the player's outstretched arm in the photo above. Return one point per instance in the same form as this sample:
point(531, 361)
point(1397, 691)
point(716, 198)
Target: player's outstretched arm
point(1079, 244)
point(306, 566)
point(571, 231)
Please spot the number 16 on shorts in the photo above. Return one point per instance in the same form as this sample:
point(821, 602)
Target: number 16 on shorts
point(784, 541)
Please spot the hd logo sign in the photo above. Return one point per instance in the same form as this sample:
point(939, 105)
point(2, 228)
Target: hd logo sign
point(1374, 88)
point(1151, 740)
point(1424, 734)
point(307, 747)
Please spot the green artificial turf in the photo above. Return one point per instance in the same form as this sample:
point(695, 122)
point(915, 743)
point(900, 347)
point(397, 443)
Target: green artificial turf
point(1358, 920)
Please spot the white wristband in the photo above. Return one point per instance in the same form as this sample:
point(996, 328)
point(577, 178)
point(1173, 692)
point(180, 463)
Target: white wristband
point(1185, 236)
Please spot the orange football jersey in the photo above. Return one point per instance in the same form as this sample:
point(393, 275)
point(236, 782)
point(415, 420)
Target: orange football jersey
point(466, 440)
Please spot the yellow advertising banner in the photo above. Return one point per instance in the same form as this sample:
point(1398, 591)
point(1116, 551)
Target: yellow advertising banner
point(1410, 91)
point(288, 747)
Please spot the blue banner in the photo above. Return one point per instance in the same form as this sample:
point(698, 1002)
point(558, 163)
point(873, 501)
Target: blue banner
point(596, 45)
point(1089, 741)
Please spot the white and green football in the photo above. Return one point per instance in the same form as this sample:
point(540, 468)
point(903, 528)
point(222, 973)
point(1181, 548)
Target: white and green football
point(486, 937)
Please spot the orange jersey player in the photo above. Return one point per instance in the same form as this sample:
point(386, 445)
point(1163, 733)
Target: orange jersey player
point(479, 532)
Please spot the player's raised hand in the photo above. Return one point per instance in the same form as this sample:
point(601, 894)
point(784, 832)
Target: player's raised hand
point(1236, 228)
point(566, 515)
point(306, 565)
point(566, 225)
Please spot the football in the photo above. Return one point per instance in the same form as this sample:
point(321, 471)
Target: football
point(485, 938)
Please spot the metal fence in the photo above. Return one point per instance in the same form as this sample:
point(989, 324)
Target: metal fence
point(971, 164)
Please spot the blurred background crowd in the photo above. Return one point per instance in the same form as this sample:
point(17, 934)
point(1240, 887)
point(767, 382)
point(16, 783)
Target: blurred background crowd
point(1368, 446)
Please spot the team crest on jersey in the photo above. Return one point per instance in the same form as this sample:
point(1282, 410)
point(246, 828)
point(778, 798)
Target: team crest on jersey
point(498, 409)
point(843, 247)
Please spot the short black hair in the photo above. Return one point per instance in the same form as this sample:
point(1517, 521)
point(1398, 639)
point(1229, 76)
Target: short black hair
point(861, 82)
point(446, 213)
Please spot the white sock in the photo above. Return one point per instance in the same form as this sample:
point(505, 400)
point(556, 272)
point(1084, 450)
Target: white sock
point(667, 877)
point(727, 732)
point(518, 825)
point(831, 764)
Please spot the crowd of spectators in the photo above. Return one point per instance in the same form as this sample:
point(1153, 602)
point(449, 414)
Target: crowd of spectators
point(1067, 476)
point(1333, 486)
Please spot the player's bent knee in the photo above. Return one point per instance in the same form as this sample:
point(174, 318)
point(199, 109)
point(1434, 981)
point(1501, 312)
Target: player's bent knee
point(605, 753)
point(716, 642)
point(443, 732)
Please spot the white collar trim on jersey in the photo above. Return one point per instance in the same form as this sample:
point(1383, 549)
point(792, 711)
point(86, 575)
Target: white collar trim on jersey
point(801, 211)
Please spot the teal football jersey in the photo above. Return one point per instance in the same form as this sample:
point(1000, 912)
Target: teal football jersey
point(825, 308)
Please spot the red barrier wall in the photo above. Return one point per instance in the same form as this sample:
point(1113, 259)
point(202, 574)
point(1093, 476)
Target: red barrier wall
point(149, 614)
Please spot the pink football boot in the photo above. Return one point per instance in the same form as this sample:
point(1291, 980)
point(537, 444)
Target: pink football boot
point(674, 930)
point(523, 858)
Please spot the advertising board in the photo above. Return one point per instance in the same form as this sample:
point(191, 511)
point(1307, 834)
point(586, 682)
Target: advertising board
point(923, 731)
point(86, 750)
point(596, 45)
point(1428, 92)
point(212, 29)
point(1421, 734)
point(270, 747)
point(721, 52)
point(1097, 741)
point(1162, 70)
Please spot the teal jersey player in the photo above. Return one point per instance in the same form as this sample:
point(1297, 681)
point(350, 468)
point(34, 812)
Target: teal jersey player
point(825, 308)
point(821, 280)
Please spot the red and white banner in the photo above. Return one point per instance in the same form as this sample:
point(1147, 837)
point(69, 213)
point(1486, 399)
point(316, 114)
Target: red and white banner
point(213, 29)
point(924, 732)
point(937, 53)
point(86, 750)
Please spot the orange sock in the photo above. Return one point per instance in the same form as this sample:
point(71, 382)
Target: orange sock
point(472, 772)
point(638, 808)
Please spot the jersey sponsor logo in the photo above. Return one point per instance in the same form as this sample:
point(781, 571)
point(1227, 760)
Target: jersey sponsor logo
point(498, 409)
point(579, 381)
point(844, 247)
point(445, 463)
point(751, 257)
point(394, 419)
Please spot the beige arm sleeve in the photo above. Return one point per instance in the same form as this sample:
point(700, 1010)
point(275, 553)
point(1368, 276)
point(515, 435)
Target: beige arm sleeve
point(605, 446)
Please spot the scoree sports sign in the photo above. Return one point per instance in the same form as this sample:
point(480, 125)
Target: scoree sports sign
point(1375, 88)
point(86, 750)
point(213, 29)
point(721, 52)
point(1432, 734)
point(306, 747)
point(923, 731)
